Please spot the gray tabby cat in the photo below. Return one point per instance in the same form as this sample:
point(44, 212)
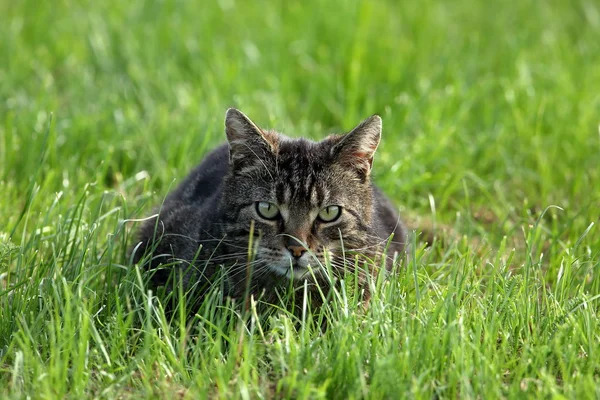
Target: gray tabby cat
point(308, 210)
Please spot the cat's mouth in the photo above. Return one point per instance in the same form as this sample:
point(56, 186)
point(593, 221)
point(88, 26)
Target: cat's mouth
point(292, 268)
point(295, 271)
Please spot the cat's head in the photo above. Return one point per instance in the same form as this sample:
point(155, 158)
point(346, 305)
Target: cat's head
point(308, 200)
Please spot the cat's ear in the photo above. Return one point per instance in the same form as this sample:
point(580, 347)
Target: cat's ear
point(248, 144)
point(356, 149)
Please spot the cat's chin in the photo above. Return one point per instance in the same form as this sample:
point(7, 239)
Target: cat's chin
point(296, 273)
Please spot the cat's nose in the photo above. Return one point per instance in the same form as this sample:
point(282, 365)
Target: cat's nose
point(297, 251)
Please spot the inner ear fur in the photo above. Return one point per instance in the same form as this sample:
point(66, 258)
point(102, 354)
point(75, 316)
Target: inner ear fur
point(356, 149)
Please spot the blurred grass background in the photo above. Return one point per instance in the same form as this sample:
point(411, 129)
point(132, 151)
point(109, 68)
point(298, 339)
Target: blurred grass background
point(504, 93)
point(491, 114)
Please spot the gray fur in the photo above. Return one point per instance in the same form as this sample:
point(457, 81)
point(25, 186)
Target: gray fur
point(203, 227)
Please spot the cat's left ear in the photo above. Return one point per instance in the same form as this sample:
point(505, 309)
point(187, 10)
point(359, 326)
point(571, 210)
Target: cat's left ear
point(248, 144)
point(357, 148)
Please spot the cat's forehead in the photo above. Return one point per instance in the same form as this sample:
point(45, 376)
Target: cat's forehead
point(301, 176)
point(301, 157)
point(294, 145)
point(303, 153)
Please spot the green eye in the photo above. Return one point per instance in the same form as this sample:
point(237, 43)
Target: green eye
point(330, 213)
point(267, 210)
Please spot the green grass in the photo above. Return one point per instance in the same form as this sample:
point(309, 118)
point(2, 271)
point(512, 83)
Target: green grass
point(491, 114)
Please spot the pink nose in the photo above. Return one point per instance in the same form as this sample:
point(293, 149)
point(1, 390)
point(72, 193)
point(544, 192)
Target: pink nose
point(297, 251)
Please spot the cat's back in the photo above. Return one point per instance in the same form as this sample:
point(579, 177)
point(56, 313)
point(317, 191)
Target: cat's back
point(205, 180)
point(386, 221)
point(190, 209)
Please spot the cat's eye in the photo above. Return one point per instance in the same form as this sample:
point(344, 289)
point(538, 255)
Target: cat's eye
point(330, 213)
point(267, 210)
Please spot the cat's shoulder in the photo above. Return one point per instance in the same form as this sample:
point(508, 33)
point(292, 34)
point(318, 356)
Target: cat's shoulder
point(219, 156)
point(206, 178)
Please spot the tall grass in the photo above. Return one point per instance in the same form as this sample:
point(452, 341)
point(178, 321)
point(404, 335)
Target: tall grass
point(491, 115)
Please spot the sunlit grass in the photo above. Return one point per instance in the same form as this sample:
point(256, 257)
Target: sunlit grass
point(490, 144)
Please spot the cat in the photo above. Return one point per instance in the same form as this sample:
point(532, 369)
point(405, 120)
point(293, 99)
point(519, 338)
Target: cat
point(269, 214)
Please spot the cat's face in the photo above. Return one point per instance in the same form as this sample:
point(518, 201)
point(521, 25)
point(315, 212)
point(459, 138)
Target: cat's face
point(305, 202)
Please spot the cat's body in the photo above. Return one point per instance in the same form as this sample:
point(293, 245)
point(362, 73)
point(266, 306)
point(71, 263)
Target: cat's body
point(298, 202)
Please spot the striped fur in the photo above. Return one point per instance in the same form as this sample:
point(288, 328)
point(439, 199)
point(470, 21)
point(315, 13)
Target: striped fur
point(203, 229)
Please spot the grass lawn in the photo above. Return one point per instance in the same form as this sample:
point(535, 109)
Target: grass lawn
point(491, 140)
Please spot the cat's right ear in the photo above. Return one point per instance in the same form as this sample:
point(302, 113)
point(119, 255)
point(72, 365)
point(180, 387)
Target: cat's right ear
point(356, 149)
point(248, 144)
